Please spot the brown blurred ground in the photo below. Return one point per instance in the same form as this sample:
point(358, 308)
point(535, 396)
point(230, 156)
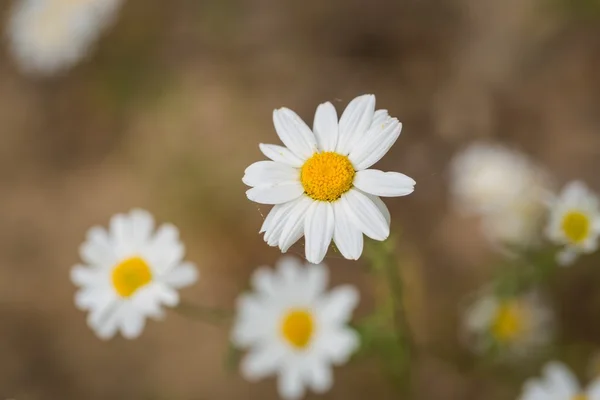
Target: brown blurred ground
point(168, 112)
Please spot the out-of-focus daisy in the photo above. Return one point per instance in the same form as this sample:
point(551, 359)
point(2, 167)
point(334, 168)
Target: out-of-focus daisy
point(129, 273)
point(503, 187)
point(321, 184)
point(559, 383)
point(293, 328)
point(49, 36)
point(574, 222)
point(510, 325)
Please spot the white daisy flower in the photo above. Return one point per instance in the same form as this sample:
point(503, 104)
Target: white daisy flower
point(50, 36)
point(559, 383)
point(293, 328)
point(129, 273)
point(503, 187)
point(321, 184)
point(513, 325)
point(574, 222)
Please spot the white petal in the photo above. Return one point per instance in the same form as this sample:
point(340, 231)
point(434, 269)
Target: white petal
point(275, 194)
point(85, 276)
point(97, 249)
point(348, 238)
point(290, 384)
point(278, 218)
point(325, 127)
point(561, 379)
point(99, 313)
point(354, 122)
point(264, 282)
point(338, 344)
point(164, 250)
point(365, 215)
point(108, 326)
point(132, 323)
point(289, 270)
point(270, 173)
point(566, 257)
point(166, 295)
point(121, 234)
point(379, 118)
point(316, 277)
point(318, 230)
point(593, 391)
point(337, 306)
point(93, 297)
point(574, 192)
point(294, 133)
point(381, 206)
point(280, 154)
point(183, 275)
point(375, 144)
point(261, 362)
point(386, 184)
point(142, 225)
point(319, 376)
point(294, 226)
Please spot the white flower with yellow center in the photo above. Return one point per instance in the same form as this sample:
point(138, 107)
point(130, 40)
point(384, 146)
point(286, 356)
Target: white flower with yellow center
point(574, 222)
point(514, 325)
point(293, 328)
point(503, 187)
point(321, 184)
point(130, 272)
point(49, 36)
point(559, 383)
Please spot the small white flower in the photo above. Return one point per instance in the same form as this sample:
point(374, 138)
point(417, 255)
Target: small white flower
point(50, 36)
point(320, 183)
point(559, 383)
point(514, 325)
point(293, 328)
point(574, 222)
point(503, 187)
point(130, 272)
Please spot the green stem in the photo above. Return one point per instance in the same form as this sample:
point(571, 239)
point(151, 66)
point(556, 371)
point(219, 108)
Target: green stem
point(209, 315)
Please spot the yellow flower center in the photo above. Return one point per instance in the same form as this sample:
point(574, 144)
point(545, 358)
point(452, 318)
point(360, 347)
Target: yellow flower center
point(298, 327)
point(130, 275)
point(576, 226)
point(580, 396)
point(509, 321)
point(327, 176)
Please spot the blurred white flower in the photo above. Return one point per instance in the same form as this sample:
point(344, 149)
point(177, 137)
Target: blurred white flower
point(320, 183)
point(513, 326)
point(574, 222)
point(503, 187)
point(293, 328)
point(559, 383)
point(50, 36)
point(130, 272)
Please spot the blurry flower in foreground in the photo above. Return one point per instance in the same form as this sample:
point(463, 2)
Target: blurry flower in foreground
point(559, 383)
point(130, 272)
point(574, 222)
point(509, 325)
point(503, 187)
point(293, 328)
point(49, 36)
point(320, 183)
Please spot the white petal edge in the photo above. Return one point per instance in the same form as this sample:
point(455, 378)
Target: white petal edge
point(269, 173)
point(354, 122)
point(280, 154)
point(318, 230)
point(387, 184)
point(325, 127)
point(375, 144)
point(347, 237)
point(365, 215)
point(294, 226)
point(294, 133)
point(275, 194)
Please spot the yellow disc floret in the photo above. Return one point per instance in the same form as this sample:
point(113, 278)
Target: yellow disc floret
point(130, 275)
point(576, 226)
point(510, 321)
point(297, 328)
point(327, 176)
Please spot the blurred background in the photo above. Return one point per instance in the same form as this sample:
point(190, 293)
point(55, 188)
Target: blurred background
point(167, 111)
